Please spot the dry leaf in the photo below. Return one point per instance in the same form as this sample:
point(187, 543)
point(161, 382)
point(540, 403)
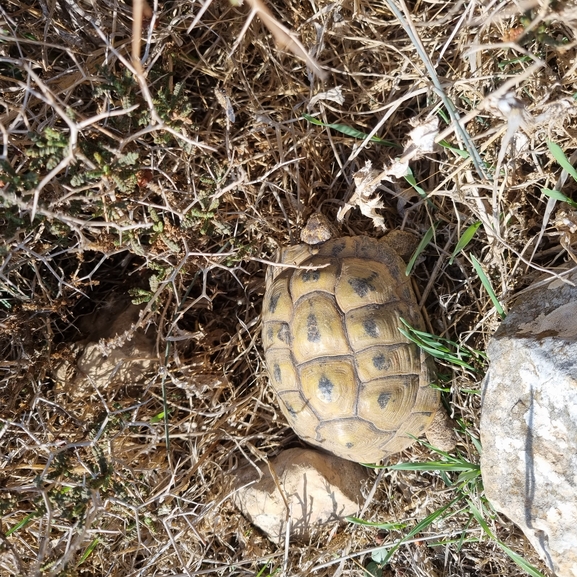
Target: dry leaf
point(555, 113)
point(366, 182)
point(225, 102)
point(422, 137)
point(566, 224)
point(335, 94)
point(421, 142)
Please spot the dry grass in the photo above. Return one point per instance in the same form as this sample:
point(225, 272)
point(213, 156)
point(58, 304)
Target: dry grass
point(174, 185)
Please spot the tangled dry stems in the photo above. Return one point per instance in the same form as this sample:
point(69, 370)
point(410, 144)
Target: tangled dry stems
point(175, 185)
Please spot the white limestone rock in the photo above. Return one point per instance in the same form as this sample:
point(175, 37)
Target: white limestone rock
point(318, 488)
point(529, 422)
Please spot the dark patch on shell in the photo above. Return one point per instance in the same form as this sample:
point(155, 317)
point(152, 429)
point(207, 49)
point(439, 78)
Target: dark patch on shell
point(284, 334)
point(326, 389)
point(290, 410)
point(383, 400)
point(362, 286)
point(313, 333)
point(371, 328)
point(338, 248)
point(311, 275)
point(381, 362)
point(273, 302)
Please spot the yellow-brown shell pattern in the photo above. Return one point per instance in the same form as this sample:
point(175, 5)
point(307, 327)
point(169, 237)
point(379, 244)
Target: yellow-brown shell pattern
point(347, 379)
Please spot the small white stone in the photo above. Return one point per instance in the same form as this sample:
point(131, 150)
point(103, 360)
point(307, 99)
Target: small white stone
point(319, 488)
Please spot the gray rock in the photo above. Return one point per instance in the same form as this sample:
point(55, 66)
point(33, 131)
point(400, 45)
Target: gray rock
point(316, 487)
point(529, 422)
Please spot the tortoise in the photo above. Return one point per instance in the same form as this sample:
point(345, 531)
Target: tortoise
point(347, 379)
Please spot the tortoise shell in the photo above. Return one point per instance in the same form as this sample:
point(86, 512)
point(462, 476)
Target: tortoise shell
point(346, 378)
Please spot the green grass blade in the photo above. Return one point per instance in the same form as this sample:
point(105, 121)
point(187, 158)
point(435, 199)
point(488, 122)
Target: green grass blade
point(410, 178)
point(421, 526)
point(523, 563)
point(436, 466)
point(442, 356)
point(22, 523)
point(558, 195)
point(157, 418)
point(479, 517)
point(349, 131)
point(462, 153)
point(446, 118)
point(89, 550)
point(477, 444)
point(265, 568)
point(436, 347)
point(560, 157)
point(488, 287)
point(424, 242)
point(466, 477)
point(465, 239)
